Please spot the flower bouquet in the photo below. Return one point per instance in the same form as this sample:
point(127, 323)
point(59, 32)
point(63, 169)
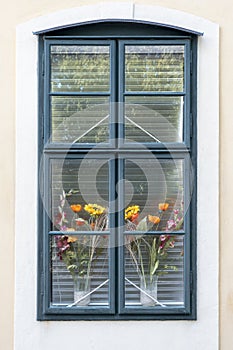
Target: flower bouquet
point(80, 252)
point(149, 252)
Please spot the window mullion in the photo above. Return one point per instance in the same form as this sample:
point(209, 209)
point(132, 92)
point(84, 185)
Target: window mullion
point(120, 240)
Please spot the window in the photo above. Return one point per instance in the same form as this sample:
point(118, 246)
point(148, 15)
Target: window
point(117, 174)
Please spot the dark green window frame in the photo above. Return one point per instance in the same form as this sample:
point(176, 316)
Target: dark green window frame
point(117, 36)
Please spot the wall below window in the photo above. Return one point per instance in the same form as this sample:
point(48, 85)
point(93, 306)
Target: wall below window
point(93, 335)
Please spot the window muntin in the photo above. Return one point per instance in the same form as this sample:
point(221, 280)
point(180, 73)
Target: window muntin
point(180, 301)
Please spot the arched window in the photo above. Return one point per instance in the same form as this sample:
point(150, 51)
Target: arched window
point(117, 172)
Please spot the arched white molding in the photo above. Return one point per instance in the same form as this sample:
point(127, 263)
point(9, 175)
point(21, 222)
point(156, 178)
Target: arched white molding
point(130, 11)
point(182, 335)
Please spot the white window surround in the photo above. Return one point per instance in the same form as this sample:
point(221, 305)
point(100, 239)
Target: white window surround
point(102, 335)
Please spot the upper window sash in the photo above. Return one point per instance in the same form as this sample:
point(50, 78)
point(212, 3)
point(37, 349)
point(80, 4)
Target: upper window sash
point(104, 111)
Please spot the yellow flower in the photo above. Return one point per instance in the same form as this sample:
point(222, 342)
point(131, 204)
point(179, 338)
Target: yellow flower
point(76, 208)
point(71, 239)
point(130, 211)
point(154, 219)
point(163, 206)
point(94, 209)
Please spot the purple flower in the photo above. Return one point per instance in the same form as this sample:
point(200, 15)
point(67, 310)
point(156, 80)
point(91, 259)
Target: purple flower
point(163, 238)
point(172, 244)
point(171, 224)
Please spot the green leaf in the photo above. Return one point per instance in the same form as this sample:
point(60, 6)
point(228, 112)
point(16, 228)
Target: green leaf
point(179, 224)
point(72, 268)
point(155, 267)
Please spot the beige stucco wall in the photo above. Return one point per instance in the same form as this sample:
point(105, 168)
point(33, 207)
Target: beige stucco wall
point(15, 12)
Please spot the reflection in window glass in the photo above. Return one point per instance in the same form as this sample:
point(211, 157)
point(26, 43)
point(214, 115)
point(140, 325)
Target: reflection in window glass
point(154, 119)
point(80, 119)
point(80, 195)
point(154, 68)
point(80, 68)
point(79, 270)
point(154, 270)
point(153, 194)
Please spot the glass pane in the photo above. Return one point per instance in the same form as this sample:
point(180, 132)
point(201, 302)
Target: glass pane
point(79, 270)
point(154, 119)
point(154, 68)
point(80, 68)
point(154, 271)
point(80, 119)
point(80, 195)
point(154, 194)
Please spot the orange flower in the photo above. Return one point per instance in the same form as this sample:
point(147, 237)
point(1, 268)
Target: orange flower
point(76, 208)
point(154, 219)
point(92, 224)
point(163, 206)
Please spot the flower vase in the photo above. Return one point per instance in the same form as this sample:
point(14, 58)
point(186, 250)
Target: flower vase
point(148, 293)
point(81, 288)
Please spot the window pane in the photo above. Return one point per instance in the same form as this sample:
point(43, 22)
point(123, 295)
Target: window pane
point(154, 68)
point(80, 68)
point(79, 270)
point(80, 195)
point(154, 270)
point(153, 194)
point(154, 119)
point(80, 119)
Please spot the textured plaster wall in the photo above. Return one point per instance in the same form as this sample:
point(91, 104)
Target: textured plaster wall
point(14, 12)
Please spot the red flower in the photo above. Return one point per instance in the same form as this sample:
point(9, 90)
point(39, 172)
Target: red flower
point(134, 217)
point(62, 245)
point(80, 222)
